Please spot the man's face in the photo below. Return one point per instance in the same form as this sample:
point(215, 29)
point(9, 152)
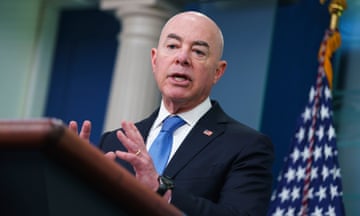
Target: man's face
point(186, 63)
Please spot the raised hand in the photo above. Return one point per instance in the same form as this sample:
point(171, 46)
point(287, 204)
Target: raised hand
point(85, 129)
point(137, 155)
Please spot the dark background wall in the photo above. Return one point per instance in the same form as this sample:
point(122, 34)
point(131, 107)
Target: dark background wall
point(298, 32)
point(83, 66)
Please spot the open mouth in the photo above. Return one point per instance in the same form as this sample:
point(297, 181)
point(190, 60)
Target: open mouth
point(180, 77)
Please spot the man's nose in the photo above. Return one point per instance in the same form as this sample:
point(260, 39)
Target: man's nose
point(183, 57)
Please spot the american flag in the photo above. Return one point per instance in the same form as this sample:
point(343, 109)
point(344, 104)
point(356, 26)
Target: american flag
point(310, 181)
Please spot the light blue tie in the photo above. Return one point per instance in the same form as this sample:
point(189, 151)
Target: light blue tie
point(161, 147)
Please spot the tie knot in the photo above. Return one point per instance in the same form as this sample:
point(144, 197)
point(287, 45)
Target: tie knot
point(172, 123)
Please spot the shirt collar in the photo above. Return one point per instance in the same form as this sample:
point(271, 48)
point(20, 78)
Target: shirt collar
point(190, 117)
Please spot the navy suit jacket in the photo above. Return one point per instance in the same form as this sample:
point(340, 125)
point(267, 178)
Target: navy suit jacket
point(224, 172)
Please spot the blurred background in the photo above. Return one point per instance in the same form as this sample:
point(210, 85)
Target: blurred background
point(90, 59)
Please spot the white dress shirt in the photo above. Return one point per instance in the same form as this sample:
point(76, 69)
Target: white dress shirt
point(190, 117)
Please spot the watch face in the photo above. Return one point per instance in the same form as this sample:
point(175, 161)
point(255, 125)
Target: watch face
point(165, 183)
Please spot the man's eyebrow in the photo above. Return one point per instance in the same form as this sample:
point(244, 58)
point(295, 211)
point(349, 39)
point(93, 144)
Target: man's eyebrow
point(201, 43)
point(198, 42)
point(174, 36)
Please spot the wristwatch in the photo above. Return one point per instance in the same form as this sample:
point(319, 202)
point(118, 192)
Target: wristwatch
point(165, 184)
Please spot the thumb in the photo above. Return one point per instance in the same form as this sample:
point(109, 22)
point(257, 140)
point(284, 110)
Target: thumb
point(110, 155)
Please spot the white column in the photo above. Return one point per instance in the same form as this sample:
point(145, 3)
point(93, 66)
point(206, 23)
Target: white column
point(134, 93)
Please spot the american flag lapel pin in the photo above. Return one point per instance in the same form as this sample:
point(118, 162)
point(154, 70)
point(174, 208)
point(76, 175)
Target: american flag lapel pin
point(207, 132)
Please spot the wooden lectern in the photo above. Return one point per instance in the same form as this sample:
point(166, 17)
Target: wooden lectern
point(46, 169)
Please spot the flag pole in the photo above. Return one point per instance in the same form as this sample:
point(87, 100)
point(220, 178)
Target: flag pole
point(336, 7)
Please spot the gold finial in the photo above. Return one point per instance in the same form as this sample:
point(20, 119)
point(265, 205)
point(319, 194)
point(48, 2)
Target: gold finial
point(336, 7)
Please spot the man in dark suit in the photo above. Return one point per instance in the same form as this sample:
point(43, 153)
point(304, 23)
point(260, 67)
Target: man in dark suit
point(217, 166)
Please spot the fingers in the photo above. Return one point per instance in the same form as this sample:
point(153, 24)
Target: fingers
point(85, 130)
point(144, 169)
point(73, 126)
point(137, 155)
point(132, 158)
point(133, 141)
point(131, 138)
point(110, 155)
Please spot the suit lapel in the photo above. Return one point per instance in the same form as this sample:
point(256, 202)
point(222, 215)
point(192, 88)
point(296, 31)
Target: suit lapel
point(144, 126)
point(210, 126)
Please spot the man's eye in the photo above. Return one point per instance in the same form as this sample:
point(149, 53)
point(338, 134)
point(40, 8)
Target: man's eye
point(199, 52)
point(171, 46)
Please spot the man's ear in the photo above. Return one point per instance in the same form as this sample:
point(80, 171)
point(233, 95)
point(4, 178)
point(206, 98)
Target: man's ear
point(153, 58)
point(220, 70)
